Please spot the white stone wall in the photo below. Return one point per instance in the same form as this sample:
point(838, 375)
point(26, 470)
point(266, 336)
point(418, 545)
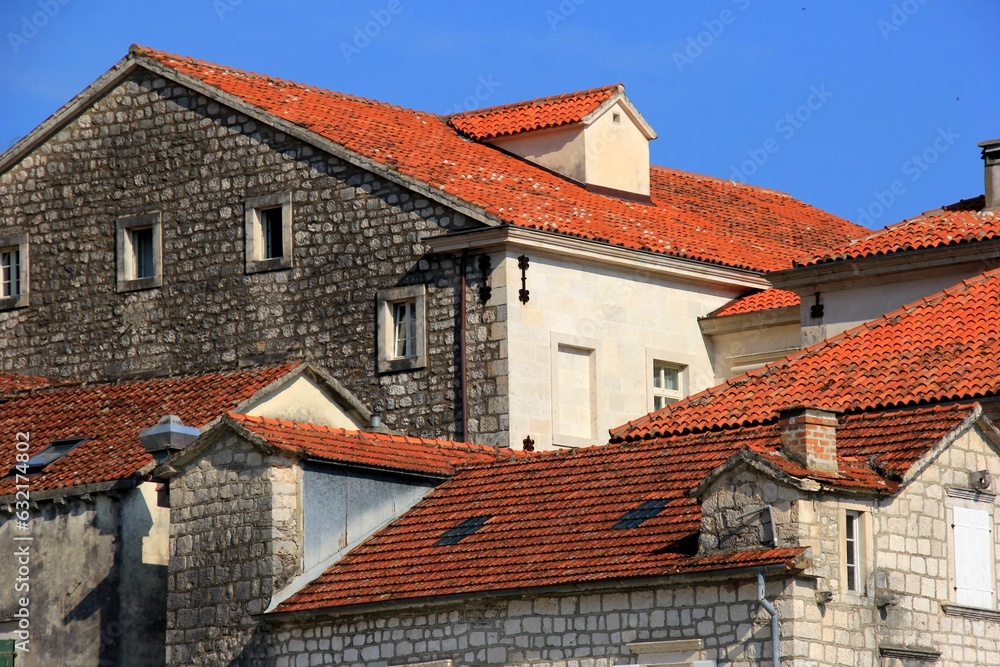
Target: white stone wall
point(628, 318)
point(570, 630)
point(736, 353)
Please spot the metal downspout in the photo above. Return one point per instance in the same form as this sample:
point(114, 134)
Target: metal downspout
point(463, 377)
point(769, 608)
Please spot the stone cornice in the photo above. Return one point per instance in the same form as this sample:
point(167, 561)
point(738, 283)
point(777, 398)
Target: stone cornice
point(970, 612)
point(919, 653)
point(773, 317)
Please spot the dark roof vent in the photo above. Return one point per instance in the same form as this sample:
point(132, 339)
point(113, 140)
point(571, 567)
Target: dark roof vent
point(169, 435)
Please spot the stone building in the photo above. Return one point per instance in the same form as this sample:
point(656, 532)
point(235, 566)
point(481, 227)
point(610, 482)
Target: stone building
point(836, 507)
point(96, 520)
point(459, 275)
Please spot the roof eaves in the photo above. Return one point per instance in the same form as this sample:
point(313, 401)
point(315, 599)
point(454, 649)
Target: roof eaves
point(974, 418)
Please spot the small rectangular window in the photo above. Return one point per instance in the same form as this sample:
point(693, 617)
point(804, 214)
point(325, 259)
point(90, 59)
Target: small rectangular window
point(142, 252)
point(404, 323)
point(666, 384)
point(852, 550)
point(272, 232)
point(402, 330)
point(268, 227)
point(139, 240)
point(10, 272)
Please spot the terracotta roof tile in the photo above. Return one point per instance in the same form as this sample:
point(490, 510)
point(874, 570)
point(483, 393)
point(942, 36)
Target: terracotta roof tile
point(571, 518)
point(369, 449)
point(940, 348)
point(768, 299)
point(110, 416)
point(930, 230)
point(11, 383)
point(483, 124)
point(694, 217)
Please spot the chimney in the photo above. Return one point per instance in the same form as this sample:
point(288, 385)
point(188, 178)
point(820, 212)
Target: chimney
point(991, 158)
point(809, 437)
point(169, 435)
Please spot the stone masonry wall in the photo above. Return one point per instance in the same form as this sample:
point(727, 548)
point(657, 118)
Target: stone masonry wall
point(235, 538)
point(151, 145)
point(571, 630)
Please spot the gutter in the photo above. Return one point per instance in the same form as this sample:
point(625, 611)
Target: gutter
point(775, 630)
point(583, 587)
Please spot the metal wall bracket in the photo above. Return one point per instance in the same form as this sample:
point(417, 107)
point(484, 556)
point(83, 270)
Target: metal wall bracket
point(522, 294)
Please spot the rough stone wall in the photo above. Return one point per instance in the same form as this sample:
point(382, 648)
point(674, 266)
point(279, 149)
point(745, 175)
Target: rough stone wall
point(74, 574)
point(573, 630)
point(736, 493)
point(151, 145)
point(235, 538)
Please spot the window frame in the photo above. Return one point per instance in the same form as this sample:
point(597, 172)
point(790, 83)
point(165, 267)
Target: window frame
point(668, 395)
point(862, 548)
point(254, 232)
point(682, 362)
point(853, 557)
point(972, 500)
point(18, 242)
point(128, 280)
point(386, 300)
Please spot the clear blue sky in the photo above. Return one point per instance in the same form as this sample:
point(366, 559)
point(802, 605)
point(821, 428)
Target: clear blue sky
point(838, 103)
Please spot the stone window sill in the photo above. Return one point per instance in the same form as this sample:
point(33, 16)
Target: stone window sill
point(970, 612)
point(401, 364)
point(273, 264)
point(139, 284)
point(12, 302)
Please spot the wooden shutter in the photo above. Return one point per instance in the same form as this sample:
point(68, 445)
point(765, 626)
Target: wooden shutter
point(974, 577)
point(6, 653)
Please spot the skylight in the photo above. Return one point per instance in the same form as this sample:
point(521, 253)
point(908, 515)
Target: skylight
point(55, 451)
point(468, 527)
point(637, 516)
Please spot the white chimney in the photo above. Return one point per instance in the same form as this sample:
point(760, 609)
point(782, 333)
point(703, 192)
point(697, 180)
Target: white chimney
point(991, 158)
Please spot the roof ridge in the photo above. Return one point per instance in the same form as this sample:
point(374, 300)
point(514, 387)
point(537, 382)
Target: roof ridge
point(158, 55)
point(535, 101)
point(905, 309)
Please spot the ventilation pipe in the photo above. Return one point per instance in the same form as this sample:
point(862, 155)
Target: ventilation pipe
point(769, 608)
point(991, 158)
point(168, 436)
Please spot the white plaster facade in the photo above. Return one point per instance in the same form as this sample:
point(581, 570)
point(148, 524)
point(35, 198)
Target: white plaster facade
point(581, 350)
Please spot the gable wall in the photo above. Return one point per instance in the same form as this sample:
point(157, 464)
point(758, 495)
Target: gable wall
point(150, 145)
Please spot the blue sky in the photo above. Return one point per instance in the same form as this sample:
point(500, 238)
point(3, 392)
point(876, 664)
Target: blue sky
point(868, 109)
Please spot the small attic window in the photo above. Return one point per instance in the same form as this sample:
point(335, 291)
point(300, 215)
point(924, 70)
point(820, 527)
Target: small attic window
point(468, 527)
point(616, 117)
point(637, 516)
point(55, 451)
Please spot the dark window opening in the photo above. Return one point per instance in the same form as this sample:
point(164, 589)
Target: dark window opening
point(271, 231)
point(461, 531)
point(55, 451)
point(637, 516)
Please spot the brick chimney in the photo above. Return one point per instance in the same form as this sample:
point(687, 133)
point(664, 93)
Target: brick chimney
point(809, 437)
point(991, 156)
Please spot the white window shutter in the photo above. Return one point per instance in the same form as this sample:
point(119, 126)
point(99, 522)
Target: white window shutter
point(973, 569)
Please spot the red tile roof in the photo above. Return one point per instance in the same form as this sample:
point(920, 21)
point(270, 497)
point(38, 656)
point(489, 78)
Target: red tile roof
point(483, 124)
point(940, 348)
point(694, 217)
point(558, 518)
point(768, 299)
point(111, 415)
point(13, 382)
point(930, 230)
point(377, 450)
